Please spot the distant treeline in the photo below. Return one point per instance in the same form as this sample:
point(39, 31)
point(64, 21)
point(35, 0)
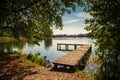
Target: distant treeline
point(79, 35)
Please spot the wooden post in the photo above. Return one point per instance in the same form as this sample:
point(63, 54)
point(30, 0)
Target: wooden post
point(55, 66)
point(75, 47)
point(90, 49)
point(57, 46)
point(66, 47)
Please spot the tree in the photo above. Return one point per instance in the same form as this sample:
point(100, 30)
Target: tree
point(29, 18)
point(105, 28)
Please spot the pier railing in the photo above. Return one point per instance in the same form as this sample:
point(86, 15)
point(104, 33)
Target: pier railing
point(66, 47)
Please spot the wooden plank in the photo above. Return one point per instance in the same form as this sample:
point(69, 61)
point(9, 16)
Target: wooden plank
point(69, 59)
point(72, 58)
point(69, 44)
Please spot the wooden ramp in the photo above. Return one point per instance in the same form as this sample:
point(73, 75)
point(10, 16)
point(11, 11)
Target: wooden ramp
point(72, 58)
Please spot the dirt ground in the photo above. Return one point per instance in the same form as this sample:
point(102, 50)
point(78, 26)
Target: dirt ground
point(15, 69)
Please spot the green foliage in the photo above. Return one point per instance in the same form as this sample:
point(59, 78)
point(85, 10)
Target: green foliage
point(33, 18)
point(36, 58)
point(105, 28)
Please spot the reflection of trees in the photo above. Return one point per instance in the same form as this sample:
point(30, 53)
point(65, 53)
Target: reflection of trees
point(8, 46)
point(47, 43)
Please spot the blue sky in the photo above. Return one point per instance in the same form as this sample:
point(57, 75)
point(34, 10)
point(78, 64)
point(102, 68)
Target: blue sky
point(74, 23)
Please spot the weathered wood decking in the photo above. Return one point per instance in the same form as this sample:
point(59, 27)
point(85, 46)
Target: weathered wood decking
point(72, 58)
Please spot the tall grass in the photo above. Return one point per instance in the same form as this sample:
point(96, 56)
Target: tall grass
point(29, 59)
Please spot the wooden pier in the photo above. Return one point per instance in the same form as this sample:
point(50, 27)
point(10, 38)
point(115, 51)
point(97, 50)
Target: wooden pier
point(73, 58)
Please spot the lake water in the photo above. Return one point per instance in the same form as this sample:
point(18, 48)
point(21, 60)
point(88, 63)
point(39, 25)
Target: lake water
point(48, 48)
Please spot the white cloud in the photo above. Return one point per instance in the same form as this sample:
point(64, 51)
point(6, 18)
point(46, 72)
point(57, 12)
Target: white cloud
point(70, 31)
point(83, 15)
point(73, 24)
point(71, 21)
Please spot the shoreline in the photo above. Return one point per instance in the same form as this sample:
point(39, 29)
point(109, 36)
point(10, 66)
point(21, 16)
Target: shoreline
point(15, 68)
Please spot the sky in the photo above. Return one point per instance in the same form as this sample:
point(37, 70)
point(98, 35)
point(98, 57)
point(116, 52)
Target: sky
point(74, 23)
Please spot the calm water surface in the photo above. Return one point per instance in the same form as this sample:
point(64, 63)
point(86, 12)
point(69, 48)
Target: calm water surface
point(49, 47)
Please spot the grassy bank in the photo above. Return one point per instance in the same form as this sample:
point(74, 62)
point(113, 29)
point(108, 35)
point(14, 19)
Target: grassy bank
point(9, 39)
point(27, 59)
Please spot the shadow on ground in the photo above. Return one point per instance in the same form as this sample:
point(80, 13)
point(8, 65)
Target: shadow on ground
point(14, 69)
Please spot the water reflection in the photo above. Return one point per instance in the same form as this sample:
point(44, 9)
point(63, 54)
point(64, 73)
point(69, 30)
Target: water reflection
point(48, 43)
point(11, 46)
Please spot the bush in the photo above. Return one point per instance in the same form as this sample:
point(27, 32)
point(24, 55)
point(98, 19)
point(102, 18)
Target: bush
point(29, 56)
point(36, 58)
